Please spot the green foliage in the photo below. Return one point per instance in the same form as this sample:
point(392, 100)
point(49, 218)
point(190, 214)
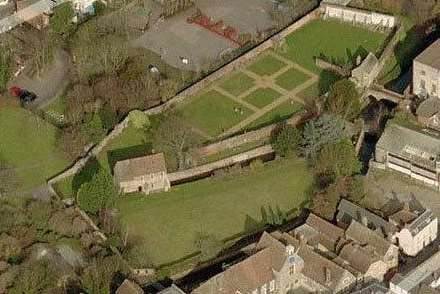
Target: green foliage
point(139, 119)
point(344, 100)
point(9, 181)
point(61, 21)
point(319, 132)
point(338, 159)
point(93, 128)
point(286, 142)
point(98, 193)
point(208, 245)
point(99, 7)
point(98, 275)
point(5, 73)
point(34, 278)
point(256, 164)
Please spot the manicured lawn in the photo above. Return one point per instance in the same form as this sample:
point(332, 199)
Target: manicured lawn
point(214, 113)
point(28, 143)
point(291, 79)
point(337, 40)
point(266, 65)
point(237, 83)
point(169, 222)
point(262, 97)
point(58, 106)
point(279, 113)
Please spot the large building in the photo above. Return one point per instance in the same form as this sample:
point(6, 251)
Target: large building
point(412, 226)
point(411, 152)
point(426, 72)
point(145, 174)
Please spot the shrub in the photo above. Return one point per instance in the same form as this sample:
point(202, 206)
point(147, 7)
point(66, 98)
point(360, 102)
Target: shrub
point(286, 141)
point(139, 119)
point(344, 100)
point(61, 21)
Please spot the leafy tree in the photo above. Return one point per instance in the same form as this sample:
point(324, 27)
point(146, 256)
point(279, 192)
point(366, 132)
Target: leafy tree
point(5, 74)
point(98, 193)
point(317, 133)
point(176, 138)
point(34, 278)
point(97, 277)
point(61, 21)
point(286, 141)
point(344, 100)
point(338, 159)
point(93, 128)
point(139, 119)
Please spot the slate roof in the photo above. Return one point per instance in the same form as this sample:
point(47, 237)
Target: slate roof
point(248, 275)
point(358, 258)
point(366, 66)
point(407, 142)
point(419, 275)
point(348, 211)
point(129, 287)
point(368, 238)
point(431, 55)
point(421, 222)
point(372, 288)
point(173, 289)
point(429, 107)
point(127, 170)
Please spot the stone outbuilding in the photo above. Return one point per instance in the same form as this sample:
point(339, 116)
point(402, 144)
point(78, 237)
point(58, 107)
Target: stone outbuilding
point(365, 73)
point(426, 72)
point(144, 174)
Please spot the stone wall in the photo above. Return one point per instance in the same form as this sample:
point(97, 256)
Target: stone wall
point(195, 172)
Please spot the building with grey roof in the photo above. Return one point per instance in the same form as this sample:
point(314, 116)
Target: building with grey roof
point(426, 275)
point(426, 72)
point(415, 153)
point(428, 113)
point(144, 174)
point(173, 289)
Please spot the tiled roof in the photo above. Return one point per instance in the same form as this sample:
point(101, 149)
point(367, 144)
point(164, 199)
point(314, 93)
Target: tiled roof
point(129, 287)
point(127, 170)
point(431, 55)
point(367, 238)
point(358, 258)
point(429, 107)
point(173, 289)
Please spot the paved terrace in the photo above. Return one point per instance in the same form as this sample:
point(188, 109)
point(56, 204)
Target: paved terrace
point(28, 13)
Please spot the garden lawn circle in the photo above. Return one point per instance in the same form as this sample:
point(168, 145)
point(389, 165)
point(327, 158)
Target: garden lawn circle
point(266, 65)
point(262, 97)
point(237, 83)
point(168, 223)
point(213, 113)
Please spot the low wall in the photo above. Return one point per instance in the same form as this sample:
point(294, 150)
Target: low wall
point(195, 172)
point(245, 58)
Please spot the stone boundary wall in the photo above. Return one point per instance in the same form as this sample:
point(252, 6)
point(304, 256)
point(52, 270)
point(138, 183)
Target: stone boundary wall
point(389, 49)
point(210, 167)
point(251, 136)
point(180, 97)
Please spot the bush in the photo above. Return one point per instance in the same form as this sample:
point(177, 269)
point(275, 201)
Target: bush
point(344, 100)
point(139, 119)
point(286, 142)
point(61, 21)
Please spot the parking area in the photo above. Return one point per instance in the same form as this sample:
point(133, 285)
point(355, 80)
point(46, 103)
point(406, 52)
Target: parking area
point(174, 38)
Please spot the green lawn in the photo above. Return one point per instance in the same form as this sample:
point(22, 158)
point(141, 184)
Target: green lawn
point(58, 106)
point(237, 83)
point(279, 113)
point(266, 65)
point(337, 40)
point(214, 113)
point(291, 79)
point(28, 144)
point(262, 97)
point(169, 222)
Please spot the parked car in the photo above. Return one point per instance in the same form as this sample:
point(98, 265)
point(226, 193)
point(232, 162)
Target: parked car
point(24, 95)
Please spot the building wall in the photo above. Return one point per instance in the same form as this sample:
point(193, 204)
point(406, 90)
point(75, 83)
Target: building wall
point(363, 17)
point(412, 245)
point(426, 79)
point(391, 258)
point(148, 183)
point(376, 271)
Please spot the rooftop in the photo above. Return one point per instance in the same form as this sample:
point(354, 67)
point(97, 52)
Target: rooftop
point(127, 170)
point(429, 107)
point(418, 275)
point(431, 55)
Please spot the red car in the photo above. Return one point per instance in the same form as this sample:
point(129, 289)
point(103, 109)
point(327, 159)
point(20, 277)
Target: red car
point(25, 96)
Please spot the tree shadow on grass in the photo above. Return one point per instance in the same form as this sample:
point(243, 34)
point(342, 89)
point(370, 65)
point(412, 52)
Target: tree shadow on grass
point(85, 174)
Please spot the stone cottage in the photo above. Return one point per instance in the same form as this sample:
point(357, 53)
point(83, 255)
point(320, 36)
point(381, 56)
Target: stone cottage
point(415, 153)
point(364, 74)
point(144, 174)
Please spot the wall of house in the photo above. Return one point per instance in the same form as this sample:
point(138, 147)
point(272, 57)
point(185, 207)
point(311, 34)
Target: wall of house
point(376, 271)
point(412, 245)
point(148, 183)
point(429, 77)
point(391, 258)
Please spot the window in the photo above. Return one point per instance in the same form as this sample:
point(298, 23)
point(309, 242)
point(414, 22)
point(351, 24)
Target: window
point(140, 189)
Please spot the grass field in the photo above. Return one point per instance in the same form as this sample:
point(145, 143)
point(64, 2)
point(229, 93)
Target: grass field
point(266, 65)
point(279, 113)
point(262, 97)
point(237, 83)
point(224, 207)
point(214, 113)
point(291, 79)
point(28, 144)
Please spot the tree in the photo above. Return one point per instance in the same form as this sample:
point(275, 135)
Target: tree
point(338, 159)
point(9, 180)
point(61, 21)
point(344, 100)
point(139, 119)
point(35, 277)
point(97, 277)
point(286, 141)
point(323, 130)
point(97, 194)
point(175, 137)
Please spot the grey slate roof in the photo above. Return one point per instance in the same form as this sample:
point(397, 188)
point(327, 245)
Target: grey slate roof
point(421, 222)
point(419, 275)
point(429, 107)
point(374, 288)
point(173, 289)
point(406, 142)
point(348, 211)
point(431, 55)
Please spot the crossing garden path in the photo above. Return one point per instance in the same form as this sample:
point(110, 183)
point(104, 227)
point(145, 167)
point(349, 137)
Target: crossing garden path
point(250, 94)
